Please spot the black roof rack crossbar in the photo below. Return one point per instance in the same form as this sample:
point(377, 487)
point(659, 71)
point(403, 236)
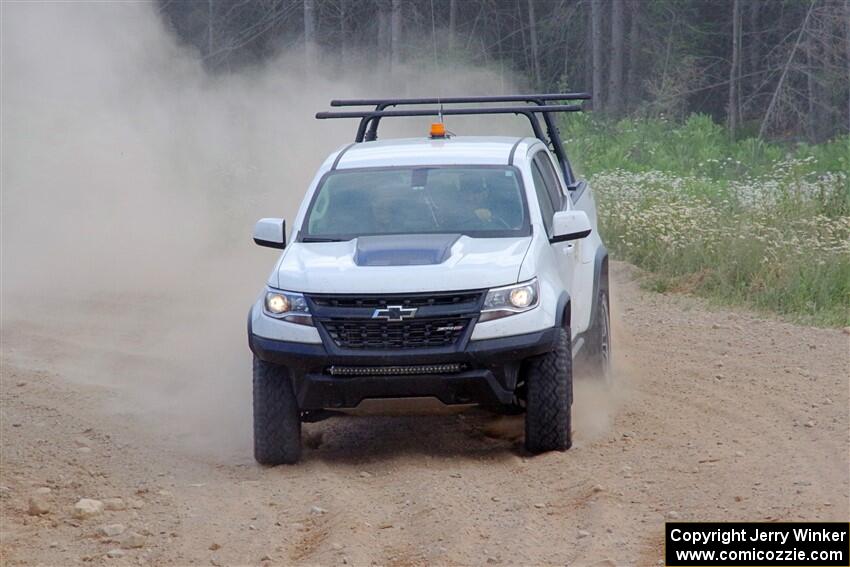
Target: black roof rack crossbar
point(534, 98)
point(371, 133)
point(536, 103)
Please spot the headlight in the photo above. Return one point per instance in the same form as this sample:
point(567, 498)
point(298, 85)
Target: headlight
point(288, 306)
point(510, 300)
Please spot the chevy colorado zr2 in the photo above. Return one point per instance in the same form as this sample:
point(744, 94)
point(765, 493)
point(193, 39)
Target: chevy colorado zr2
point(468, 269)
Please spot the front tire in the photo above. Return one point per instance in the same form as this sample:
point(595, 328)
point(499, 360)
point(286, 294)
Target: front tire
point(549, 398)
point(277, 420)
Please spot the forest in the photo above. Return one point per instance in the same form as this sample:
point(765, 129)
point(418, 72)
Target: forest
point(717, 141)
point(772, 68)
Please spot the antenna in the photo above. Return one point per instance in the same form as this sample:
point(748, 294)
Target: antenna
point(436, 58)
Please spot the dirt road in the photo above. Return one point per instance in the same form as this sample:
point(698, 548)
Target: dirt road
point(716, 416)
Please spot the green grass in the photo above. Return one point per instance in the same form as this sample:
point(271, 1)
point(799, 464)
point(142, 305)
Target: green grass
point(743, 222)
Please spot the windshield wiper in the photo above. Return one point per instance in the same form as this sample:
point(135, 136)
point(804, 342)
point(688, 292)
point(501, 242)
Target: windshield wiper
point(320, 239)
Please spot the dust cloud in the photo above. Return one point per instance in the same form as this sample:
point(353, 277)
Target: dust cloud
point(131, 180)
point(597, 401)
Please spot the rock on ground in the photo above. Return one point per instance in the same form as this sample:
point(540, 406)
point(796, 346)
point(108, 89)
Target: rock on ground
point(112, 530)
point(87, 508)
point(133, 540)
point(38, 505)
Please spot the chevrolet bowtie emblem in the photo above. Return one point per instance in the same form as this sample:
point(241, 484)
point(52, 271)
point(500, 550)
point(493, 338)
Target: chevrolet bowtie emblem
point(394, 313)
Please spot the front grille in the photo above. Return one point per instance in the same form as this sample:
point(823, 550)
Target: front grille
point(412, 300)
point(383, 335)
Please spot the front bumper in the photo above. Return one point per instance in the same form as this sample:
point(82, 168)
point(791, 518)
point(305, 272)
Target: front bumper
point(489, 375)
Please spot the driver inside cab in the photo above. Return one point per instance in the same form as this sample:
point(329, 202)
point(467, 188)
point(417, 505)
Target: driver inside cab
point(474, 196)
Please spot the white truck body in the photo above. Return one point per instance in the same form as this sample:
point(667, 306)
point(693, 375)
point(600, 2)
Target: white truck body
point(469, 269)
point(329, 267)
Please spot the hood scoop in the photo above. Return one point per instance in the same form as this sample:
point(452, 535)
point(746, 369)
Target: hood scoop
point(404, 249)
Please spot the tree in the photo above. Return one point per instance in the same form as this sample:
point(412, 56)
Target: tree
point(210, 19)
point(813, 89)
point(384, 34)
point(782, 63)
point(615, 73)
point(532, 32)
point(735, 68)
point(634, 51)
point(596, 38)
point(773, 99)
point(395, 34)
point(452, 23)
point(343, 32)
point(754, 43)
point(310, 33)
point(847, 54)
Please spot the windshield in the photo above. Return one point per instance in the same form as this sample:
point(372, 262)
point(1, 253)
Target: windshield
point(471, 200)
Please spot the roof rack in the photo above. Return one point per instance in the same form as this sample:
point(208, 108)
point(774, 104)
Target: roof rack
point(536, 104)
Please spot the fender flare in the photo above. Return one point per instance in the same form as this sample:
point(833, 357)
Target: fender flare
point(600, 280)
point(251, 329)
point(563, 310)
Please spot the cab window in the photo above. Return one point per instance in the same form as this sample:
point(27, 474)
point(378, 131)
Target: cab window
point(546, 207)
point(550, 178)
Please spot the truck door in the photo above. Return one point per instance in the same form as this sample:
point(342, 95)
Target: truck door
point(551, 199)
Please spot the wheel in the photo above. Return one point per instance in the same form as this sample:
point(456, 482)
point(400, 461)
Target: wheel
point(600, 341)
point(277, 421)
point(549, 398)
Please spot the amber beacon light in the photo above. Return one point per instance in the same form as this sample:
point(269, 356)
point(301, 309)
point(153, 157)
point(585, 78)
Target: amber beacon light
point(438, 130)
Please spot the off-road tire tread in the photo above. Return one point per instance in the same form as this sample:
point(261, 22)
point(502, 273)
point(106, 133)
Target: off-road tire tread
point(277, 421)
point(595, 350)
point(549, 398)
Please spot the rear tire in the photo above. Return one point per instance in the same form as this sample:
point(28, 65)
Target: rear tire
point(549, 398)
point(277, 420)
point(600, 341)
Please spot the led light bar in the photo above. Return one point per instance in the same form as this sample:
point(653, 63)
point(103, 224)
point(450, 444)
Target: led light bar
point(395, 370)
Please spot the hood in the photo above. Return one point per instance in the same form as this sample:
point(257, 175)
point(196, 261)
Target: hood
point(400, 264)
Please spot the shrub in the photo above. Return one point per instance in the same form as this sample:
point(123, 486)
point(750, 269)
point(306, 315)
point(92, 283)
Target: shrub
point(745, 221)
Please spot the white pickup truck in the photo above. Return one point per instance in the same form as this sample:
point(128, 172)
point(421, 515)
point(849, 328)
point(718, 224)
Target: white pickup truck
point(463, 268)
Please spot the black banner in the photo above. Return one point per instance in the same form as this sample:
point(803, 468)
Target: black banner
point(762, 544)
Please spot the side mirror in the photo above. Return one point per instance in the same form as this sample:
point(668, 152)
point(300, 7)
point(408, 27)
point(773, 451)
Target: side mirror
point(270, 233)
point(569, 225)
